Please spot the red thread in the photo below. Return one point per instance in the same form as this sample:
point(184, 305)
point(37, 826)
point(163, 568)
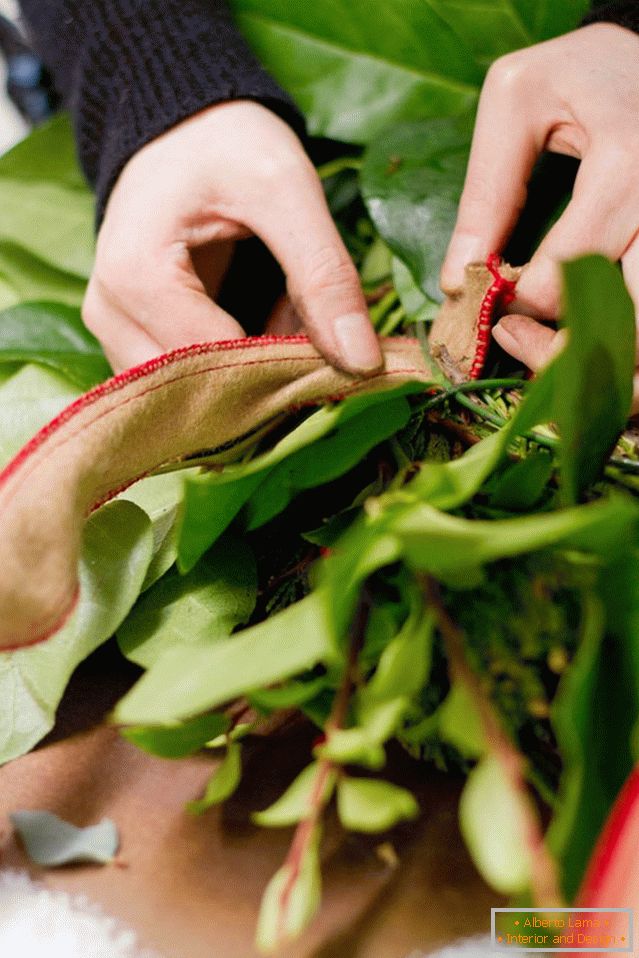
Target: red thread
point(500, 293)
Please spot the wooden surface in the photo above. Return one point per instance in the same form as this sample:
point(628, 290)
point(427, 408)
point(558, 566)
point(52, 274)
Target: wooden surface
point(191, 887)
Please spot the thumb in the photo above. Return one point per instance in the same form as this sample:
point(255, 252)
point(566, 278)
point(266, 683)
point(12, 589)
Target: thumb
point(528, 341)
point(322, 281)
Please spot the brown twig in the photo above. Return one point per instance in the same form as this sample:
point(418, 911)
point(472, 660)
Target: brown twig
point(305, 832)
point(544, 878)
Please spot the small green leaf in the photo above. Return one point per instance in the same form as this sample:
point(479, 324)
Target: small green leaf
point(49, 841)
point(297, 801)
point(459, 723)
point(222, 783)
point(370, 805)
point(177, 741)
point(291, 900)
point(290, 695)
point(492, 823)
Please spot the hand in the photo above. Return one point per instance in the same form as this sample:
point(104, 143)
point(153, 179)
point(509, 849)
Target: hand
point(233, 170)
point(577, 95)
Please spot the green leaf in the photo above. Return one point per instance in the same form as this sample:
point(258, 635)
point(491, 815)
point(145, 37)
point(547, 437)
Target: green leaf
point(356, 69)
point(223, 783)
point(212, 501)
point(116, 552)
point(24, 277)
point(291, 900)
point(441, 544)
point(492, 28)
point(53, 334)
point(419, 308)
point(177, 741)
point(593, 386)
point(49, 841)
point(404, 665)
point(459, 723)
point(296, 803)
point(291, 695)
point(492, 823)
point(327, 459)
point(198, 677)
point(523, 484)
point(28, 400)
point(204, 606)
point(593, 716)
point(161, 498)
point(370, 805)
point(40, 184)
point(412, 180)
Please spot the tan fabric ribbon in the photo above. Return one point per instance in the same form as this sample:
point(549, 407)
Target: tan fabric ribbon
point(215, 396)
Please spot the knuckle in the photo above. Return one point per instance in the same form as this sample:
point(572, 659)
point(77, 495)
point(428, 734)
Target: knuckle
point(281, 166)
point(508, 74)
point(92, 312)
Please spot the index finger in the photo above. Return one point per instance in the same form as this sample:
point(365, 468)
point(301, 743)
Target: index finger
point(504, 149)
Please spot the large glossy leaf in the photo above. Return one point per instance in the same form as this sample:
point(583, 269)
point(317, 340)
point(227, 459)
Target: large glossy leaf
point(593, 387)
point(40, 184)
point(494, 27)
point(356, 66)
point(412, 180)
point(53, 334)
point(28, 400)
point(203, 606)
point(24, 276)
point(116, 553)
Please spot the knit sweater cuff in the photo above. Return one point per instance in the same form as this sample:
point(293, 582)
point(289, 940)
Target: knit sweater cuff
point(132, 69)
point(625, 13)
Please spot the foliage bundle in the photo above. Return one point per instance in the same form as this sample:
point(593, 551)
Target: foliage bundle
point(455, 570)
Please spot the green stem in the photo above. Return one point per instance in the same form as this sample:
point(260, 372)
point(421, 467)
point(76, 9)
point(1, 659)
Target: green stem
point(485, 384)
point(338, 166)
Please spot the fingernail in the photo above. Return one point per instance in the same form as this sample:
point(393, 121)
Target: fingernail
point(357, 343)
point(463, 249)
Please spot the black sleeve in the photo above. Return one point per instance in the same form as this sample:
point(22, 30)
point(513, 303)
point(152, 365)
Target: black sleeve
point(625, 13)
point(130, 69)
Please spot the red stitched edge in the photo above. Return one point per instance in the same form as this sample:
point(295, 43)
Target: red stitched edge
point(501, 292)
point(608, 842)
point(59, 624)
point(139, 372)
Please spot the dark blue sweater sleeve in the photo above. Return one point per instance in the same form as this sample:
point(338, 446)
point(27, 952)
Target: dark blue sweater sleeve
point(128, 70)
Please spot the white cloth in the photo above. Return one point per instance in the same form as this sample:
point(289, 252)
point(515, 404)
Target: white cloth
point(36, 922)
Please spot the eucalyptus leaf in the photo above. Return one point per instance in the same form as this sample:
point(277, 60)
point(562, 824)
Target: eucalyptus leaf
point(49, 841)
point(370, 805)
